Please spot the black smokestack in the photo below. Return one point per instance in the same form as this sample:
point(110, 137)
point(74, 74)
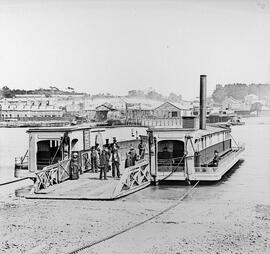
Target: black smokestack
point(203, 102)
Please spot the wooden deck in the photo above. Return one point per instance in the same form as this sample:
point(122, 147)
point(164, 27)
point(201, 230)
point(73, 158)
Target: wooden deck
point(87, 187)
point(90, 187)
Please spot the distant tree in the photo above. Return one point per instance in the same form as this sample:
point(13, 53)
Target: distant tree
point(174, 97)
point(154, 95)
point(219, 94)
point(239, 91)
point(7, 93)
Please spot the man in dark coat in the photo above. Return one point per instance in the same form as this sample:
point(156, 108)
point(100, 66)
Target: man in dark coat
point(115, 163)
point(104, 162)
point(216, 159)
point(74, 166)
point(128, 161)
point(133, 154)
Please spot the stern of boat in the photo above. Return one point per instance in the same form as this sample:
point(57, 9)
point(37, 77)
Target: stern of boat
point(209, 173)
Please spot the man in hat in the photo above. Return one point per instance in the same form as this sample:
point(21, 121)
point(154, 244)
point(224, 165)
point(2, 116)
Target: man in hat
point(216, 159)
point(104, 162)
point(115, 144)
point(115, 163)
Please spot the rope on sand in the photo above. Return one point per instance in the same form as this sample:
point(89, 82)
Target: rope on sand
point(136, 225)
point(13, 181)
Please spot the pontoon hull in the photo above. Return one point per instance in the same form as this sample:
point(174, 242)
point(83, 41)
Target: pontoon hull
point(206, 174)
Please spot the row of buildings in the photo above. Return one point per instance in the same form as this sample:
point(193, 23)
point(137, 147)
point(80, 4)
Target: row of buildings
point(123, 109)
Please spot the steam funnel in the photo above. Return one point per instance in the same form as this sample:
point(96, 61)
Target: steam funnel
point(202, 102)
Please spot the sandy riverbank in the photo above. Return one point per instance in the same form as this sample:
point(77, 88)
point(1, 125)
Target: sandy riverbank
point(192, 227)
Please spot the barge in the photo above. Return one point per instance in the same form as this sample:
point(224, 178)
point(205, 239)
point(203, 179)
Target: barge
point(183, 153)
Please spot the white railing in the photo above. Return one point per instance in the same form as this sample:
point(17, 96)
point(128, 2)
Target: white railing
point(161, 122)
point(134, 177)
point(85, 160)
point(52, 174)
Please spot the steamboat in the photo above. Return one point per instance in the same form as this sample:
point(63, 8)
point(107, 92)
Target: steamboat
point(182, 152)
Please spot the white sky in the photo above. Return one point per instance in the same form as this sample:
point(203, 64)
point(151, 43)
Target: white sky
point(115, 46)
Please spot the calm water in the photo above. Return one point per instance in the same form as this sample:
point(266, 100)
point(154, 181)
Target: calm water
point(13, 143)
point(249, 180)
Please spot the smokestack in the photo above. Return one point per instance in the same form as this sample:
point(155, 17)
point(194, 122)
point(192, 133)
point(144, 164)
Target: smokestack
point(202, 102)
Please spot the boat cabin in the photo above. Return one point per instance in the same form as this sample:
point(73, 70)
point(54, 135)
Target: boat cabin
point(181, 152)
point(48, 146)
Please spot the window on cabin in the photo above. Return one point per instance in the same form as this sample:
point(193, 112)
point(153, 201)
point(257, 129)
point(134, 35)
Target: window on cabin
point(174, 114)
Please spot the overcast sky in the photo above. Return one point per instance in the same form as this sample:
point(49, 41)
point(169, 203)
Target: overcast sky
point(115, 46)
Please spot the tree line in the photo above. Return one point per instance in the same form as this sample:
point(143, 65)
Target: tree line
point(6, 92)
point(238, 91)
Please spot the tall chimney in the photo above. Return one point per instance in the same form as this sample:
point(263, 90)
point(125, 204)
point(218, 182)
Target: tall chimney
point(202, 102)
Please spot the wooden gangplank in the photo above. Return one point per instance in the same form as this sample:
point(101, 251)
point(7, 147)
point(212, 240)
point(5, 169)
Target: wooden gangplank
point(90, 187)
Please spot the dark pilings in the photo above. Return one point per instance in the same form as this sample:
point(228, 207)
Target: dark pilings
point(203, 102)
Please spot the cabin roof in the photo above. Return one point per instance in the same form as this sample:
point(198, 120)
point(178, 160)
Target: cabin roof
point(195, 133)
point(79, 127)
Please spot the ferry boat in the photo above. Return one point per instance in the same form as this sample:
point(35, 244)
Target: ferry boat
point(177, 152)
point(187, 153)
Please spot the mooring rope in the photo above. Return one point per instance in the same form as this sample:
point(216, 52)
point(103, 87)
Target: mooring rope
point(136, 225)
point(13, 181)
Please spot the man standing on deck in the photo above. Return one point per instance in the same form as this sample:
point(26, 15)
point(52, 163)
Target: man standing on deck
point(133, 154)
point(115, 163)
point(141, 148)
point(115, 144)
point(104, 162)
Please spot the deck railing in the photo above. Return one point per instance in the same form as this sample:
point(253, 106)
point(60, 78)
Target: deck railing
point(134, 177)
point(52, 174)
point(85, 158)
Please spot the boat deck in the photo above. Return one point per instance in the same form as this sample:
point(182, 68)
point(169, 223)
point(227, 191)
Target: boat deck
point(87, 187)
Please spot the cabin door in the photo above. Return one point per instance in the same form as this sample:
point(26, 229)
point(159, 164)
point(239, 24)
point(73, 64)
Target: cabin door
point(170, 156)
point(48, 152)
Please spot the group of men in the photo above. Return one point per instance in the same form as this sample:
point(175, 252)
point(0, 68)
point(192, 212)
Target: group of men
point(101, 159)
point(110, 152)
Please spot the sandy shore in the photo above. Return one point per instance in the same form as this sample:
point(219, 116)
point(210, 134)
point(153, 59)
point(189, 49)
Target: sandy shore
point(47, 226)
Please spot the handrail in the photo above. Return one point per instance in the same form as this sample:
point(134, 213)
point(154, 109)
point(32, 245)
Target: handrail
point(133, 177)
point(52, 174)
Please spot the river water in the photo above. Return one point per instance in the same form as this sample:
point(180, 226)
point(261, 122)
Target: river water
point(250, 179)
